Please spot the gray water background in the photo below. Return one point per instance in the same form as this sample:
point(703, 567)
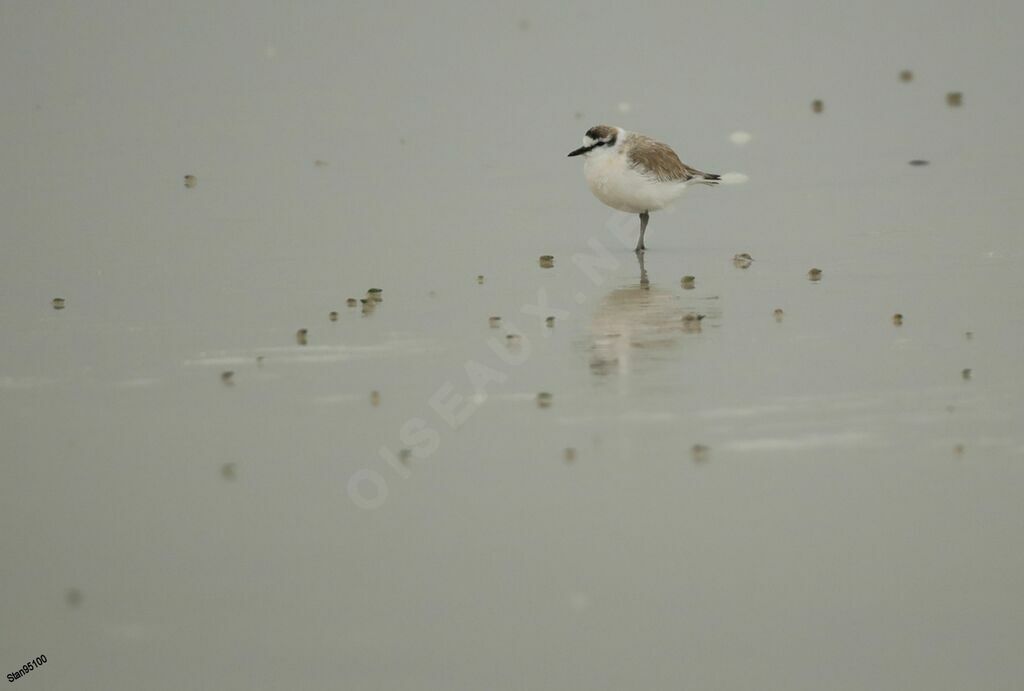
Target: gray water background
point(856, 521)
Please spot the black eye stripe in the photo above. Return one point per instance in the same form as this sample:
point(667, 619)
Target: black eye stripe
point(610, 142)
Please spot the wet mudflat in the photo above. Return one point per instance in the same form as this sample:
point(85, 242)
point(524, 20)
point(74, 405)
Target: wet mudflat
point(280, 423)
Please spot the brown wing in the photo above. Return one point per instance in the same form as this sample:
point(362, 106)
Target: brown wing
point(658, 160)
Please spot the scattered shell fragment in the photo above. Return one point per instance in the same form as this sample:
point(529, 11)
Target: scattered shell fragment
point(817, 105)
point(320, 163)
point(494, 322)
point(897, 319)
point(814, 274)
point(569, 454)
point(778, 314)
point(228, 377)
point(700, 453)
point(906, 76)
point(351, 302)
point(544, 399)
point(191, 181)
point(742, 261)
point(549, 322)
point(740, 138)
point(227, 471)
point(375, 398)
point(919, 162)
point(954, 99)
point(301, 336)
point(58, 303)
point(480, 279)
point(333, 316)
point(73, 596)
point(688, 282)
point(547, 261)
point(966, 373)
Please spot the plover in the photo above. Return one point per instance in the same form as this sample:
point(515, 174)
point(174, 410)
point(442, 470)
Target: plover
point(634, 173)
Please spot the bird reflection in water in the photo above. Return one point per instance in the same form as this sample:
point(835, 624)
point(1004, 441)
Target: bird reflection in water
point(635, 323)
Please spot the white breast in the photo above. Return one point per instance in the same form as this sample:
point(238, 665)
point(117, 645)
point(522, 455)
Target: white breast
point(621, 187)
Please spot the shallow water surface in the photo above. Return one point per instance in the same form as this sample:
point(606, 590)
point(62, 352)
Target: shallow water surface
point(390, 501)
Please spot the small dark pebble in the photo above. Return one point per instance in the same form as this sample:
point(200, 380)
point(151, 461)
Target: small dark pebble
point(301, 336)
point(190, 181)
point(817, 105)
point(742, 261)
point(691, 322)
point(954, 99)
point(919, 162)
point(228, 377)
point(906, 76)
point(58, 303)
point(700, 453)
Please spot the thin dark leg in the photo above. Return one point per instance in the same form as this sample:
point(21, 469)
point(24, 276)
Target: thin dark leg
point(643, 226)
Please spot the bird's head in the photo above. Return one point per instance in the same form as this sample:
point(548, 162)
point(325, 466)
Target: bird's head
point(597, 137)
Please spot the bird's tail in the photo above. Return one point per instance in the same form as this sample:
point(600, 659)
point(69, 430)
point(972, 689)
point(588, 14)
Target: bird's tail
point(707, 179)
point(713, 179)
